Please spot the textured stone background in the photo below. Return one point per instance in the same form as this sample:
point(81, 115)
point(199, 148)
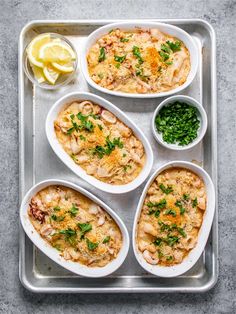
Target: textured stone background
point(13, 16)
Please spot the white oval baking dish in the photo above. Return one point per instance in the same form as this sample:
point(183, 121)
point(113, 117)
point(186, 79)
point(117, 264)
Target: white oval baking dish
point(165, 28)
point(60, 152)
point(52, 253)
point(195, 253)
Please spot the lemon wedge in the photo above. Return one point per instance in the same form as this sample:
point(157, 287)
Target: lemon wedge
point(38, 73)
point(64, 68)
point(51, 74)
point(34, 47)
point(56, 52)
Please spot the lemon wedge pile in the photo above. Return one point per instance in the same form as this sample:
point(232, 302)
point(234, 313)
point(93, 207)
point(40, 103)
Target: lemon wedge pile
point(49, 58)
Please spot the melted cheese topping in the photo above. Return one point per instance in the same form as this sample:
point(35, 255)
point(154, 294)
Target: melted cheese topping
point(78, 228)
point(139, 61)
point(100, 143)
point(171, 217)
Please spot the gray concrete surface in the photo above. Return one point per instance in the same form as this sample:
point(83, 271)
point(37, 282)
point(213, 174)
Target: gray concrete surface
point(13, 297)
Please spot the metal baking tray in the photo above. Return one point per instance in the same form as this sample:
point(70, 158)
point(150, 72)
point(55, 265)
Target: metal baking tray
point(38, 162)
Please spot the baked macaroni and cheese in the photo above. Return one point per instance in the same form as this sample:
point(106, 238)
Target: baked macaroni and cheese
point(171, 217)
point(138, 61)
point(100, 143)
point(74, 225)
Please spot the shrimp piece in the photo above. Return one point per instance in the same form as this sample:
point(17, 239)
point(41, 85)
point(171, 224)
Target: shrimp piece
point(50, 197)
point(142, 83)
point(75, 147)
point(187, 243)
point(111, 251)
point(201, 193)
point(189, 227)
point(108, 79)
point(151, 190)
point(74, 255)
point(123, 130)
point(93, 55)
point(91, 169)
point(197, 221)
point(197, 183)
point(156, 34)
point(93, 209)
point(144, 36)
point(178, 256)
point(136, 145)
point(167, 175)
point(66, 254)
point(142, 245)
point(114, 132)
point(108, 116)
point(113, 233)
point(150, 258)
point(82, 159)
point(63, 123)
point(132, 142)
point(101, 216)
point(155, 198)
point(141, 89)
point(46, 230)
point(201, 203)
point(139, 150)
point(166, 250)
point(73, 106)
point(101, 220)
point(103, 173)
point(86, 107)
point(97, 109)
point(135, 157)
point(124, 160)
point(60, 192)
point(195, 218)
point(148, 228)
point(151, 248)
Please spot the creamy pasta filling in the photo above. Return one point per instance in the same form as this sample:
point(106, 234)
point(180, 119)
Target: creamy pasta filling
point(74, 225)
point(100, 143)
point(171, 217)
point(138, 61)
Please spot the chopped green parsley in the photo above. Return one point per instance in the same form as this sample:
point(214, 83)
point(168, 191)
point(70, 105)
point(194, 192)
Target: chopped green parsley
point(91, 245)
point(101, 151)
point(178, 123)
point(84, 227)
point(102, 55)
point(166, 190)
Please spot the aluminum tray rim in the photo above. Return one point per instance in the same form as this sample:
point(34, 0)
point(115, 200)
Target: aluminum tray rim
point(22, 273)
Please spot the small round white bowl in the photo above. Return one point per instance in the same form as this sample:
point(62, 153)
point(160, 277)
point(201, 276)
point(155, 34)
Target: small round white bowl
point(201, 116)
point(163, 27)
point(52, 253)
point(60, 152)
point(195, 253)
point(64, 79)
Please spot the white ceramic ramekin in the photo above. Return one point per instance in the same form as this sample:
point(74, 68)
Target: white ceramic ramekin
point(52, 253)
point(165, 28)
point(195, 253)
point(201, 116)
point(60, 152)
